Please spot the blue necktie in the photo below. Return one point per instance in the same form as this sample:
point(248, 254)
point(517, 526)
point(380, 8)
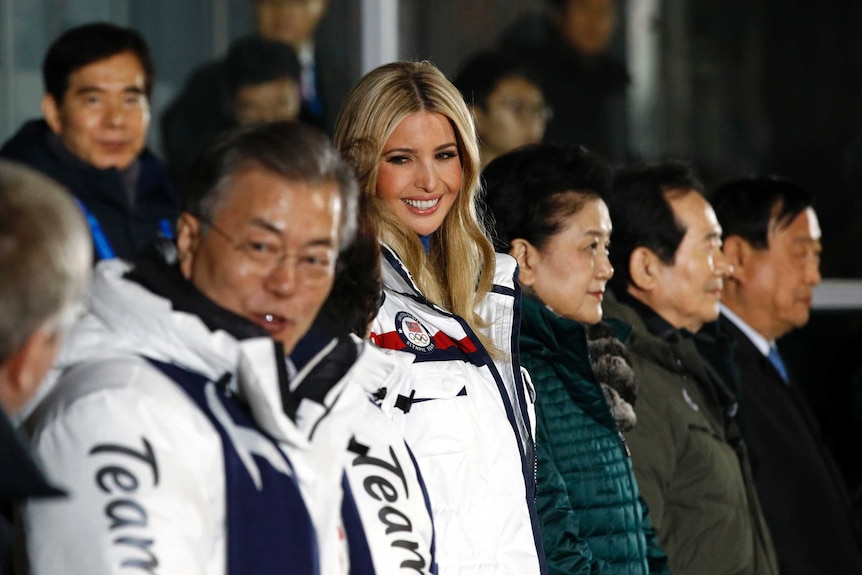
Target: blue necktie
point(309, 91)
point(775, 358)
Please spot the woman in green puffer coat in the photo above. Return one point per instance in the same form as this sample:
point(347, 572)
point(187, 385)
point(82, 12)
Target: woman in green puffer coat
point(547, 204)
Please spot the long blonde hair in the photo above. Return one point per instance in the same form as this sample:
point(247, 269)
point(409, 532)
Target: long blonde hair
point(458, 270)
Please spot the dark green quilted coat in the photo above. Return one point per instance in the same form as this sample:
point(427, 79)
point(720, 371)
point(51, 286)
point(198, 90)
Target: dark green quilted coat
point(591, 516)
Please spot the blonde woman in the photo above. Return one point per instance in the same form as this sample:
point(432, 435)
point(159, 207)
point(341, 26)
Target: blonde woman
point(453, 304)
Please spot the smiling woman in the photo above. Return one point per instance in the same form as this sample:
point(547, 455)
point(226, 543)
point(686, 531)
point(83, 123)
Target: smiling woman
point(453, 305)
point(420, 174)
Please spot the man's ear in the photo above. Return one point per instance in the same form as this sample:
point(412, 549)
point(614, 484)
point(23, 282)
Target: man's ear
point(737, 252)
point(188, 241)
point(526, 254)
point(23, 371)
point(644, 268)
point(51, 112)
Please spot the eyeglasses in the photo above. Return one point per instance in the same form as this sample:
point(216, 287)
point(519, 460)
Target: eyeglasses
point(314, 267)
point(528, 110)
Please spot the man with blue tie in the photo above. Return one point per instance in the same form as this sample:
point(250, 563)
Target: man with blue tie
point(772, 241)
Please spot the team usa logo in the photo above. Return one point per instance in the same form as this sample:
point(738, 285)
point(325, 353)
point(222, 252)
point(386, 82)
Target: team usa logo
point(413, 333)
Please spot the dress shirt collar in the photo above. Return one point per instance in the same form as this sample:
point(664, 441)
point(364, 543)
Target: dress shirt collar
point(760, 342)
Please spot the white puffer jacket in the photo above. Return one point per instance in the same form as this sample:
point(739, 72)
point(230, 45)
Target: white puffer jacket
point(143, 465)
point(466, 420)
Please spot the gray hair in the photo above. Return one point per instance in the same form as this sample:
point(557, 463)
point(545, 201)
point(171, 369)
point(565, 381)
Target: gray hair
point(297, 152)
point(46, 256)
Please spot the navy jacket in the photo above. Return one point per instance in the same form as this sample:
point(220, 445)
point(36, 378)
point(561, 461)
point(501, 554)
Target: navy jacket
point(127, 228)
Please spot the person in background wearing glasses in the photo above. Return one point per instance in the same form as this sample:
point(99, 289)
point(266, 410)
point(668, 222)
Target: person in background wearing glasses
point(263, 79)
point(506, 101)
point(174, 422)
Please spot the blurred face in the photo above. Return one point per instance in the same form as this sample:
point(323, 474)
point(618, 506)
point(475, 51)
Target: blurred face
point(570, 272)
point(588, 24)
point(268, 102)
point(104, 116)
point(688, 291)
point(290, 21)
point(782, 278)
point(419, 175)
point(270, 253)
point(515, 115)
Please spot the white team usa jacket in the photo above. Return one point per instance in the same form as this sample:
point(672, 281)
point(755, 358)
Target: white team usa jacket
point(145, 465)
point(384, 478)
point(467, 420)
point(386, 514)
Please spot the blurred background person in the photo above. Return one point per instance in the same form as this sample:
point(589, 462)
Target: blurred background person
point(772, 239)
point(92, 139)
point(324, 78)
point(197, 113)
point(506, 101)
point(452, 304)
point(547, 204)
point(263, 82)
point(260, 82)
point(567, 47)
point(45, 255)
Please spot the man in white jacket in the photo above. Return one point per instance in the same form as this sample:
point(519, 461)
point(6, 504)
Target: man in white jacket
point(173, 424)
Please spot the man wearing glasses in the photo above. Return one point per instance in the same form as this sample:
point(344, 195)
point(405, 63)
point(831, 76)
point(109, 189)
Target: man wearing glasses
point(506, 100)
point(172, 423)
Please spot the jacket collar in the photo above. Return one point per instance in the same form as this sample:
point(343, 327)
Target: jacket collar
point(395, 274)
point(157, 269)
point(653, 322)
point(125, 317)
point(542, 329)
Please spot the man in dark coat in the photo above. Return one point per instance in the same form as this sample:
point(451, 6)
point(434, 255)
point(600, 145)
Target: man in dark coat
point(92, 139)
point(45, 256)
point(772, 240)
point(691, 463)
